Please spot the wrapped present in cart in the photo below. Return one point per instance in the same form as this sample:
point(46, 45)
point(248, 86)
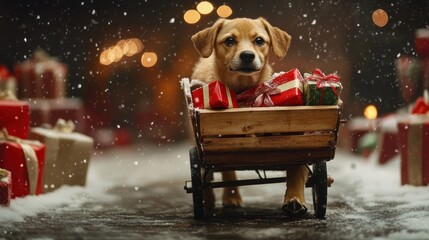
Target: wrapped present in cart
point(261, 139)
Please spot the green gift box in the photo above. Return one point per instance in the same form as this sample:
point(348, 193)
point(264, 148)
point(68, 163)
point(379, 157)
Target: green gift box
point(324, 94)
point(321, 89)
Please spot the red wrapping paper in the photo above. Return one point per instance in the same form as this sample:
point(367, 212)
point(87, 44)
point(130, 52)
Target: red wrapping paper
point(48, 111)
point(413, 146)
point(5, 187)
point(283, 90)
point(12, 158)
point(15, 117)
point(214, 95)
point(388, 139)
point(41, 79)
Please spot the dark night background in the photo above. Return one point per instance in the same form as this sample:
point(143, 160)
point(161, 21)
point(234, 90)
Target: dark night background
point(332, 35)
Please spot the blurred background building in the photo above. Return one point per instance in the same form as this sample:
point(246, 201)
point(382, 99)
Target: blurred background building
point(140, 91)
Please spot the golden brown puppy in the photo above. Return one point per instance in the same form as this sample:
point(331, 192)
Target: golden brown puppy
point(236, 53)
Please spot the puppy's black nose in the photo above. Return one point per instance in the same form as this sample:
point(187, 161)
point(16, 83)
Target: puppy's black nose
point(247, 56)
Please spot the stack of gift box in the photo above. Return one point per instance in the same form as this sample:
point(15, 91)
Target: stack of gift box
point(42, 82)
point(35, 159)
point(283, 89)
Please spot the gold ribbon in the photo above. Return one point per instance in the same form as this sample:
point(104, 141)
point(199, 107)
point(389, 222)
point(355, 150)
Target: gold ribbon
point(3, 173)
point(64, 126)
point(206, 96)
point(7, 95)
point(30, 158)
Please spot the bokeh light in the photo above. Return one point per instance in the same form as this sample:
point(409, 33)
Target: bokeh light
point(224, 11)
point(192, 16)
point(205, 7)
point(380, 17)
point(115, 53)
point(149, 59)
point(370, 112)
point(104, 58)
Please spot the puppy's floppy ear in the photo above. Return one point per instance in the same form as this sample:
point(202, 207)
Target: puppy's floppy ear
point(280, 40)
point(204, 40)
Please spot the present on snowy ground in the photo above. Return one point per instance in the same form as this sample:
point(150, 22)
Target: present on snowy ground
point(24, 159)
point(388, 139)
point(214, 95)
point(48, 111)
point(41, 77)
point(284, 89)
point(67, 155)
point(5, 187)
point(321, 89)
point(7, 81)
point(358, 127)
point(14, 115)
point(413, 146)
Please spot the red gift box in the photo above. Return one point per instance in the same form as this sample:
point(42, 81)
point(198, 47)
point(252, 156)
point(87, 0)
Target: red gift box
point(214, 95)
point(388, 139)
point(41, 78)
point(15, 117)
point(285, 89)
point(25, 160)
point(414, 142)
point(420, 107)
point(48, 111)
point(5, 187)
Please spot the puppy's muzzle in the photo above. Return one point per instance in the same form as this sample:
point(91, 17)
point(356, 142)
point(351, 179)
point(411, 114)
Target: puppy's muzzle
point(246, 63)
point(247, 57)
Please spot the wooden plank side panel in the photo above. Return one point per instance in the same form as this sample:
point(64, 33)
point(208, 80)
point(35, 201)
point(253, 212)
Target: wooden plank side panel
point(268, 143)
point(267, 120)
point(265, 159)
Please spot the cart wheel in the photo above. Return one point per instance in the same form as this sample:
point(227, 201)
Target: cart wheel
point(197, 190)
point(320, 189)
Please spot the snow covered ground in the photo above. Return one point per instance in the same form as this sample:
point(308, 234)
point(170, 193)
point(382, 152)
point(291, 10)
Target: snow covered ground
point(360, 185)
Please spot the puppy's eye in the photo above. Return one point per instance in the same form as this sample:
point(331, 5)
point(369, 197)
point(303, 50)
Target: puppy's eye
point(259, 41)
point(229, 42)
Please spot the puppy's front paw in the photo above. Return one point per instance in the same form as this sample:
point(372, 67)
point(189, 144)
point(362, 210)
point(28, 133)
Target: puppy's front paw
point(231, 198)
point(294, 207)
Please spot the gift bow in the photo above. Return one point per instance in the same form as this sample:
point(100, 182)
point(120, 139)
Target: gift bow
point(264, 99)
point(321, 80)
point(30, 158)
point(7, 95)
point(64, 126)
point(3, 173)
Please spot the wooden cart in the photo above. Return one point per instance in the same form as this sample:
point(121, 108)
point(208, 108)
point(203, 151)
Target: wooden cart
point(261, 139)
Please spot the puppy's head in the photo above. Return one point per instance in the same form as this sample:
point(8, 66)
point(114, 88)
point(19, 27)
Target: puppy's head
point(242, 45)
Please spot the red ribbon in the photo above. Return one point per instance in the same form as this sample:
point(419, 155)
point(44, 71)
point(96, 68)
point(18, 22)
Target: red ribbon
point(322, 79)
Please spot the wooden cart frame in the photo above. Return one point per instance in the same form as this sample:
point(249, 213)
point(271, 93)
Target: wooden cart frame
point(261, 139)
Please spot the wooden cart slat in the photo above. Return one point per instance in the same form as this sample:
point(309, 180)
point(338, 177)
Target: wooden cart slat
point(269, 143)
point(267, 120)
point(266, 160)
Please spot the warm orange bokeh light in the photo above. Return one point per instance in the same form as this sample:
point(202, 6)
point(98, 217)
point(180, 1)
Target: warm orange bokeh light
point(370, 112)
point(115, 54)
point(205, 7)
point(192, 16)
point(104, 58)
point(149, 59)
point(224, 11)
point(380, 17)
